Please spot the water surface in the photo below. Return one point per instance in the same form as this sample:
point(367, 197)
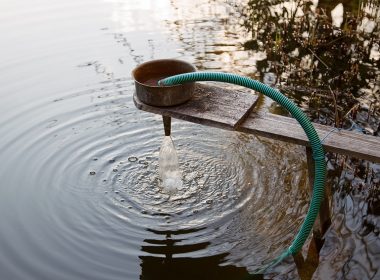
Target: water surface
point(80, 196)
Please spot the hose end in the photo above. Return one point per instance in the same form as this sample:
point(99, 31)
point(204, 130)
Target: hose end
point(161, 82)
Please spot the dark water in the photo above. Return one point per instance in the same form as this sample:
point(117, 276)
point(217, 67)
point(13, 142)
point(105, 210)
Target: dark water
point(79, 194)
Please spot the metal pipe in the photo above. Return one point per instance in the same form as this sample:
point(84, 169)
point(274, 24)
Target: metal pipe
point(167, 125)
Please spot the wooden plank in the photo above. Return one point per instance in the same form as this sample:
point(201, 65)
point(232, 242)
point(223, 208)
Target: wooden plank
point(210, 105)
point(287, 129)
point(231, 109)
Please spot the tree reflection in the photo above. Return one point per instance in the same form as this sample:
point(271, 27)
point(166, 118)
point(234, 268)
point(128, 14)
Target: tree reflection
point(163, 260)
point(325, 56)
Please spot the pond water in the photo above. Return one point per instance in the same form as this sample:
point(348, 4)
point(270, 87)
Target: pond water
point(79, 190)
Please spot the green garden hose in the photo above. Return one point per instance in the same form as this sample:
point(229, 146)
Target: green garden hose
point(315, 143)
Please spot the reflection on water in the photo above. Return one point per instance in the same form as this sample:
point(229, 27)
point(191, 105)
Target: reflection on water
point(80, 193)
point(324, 55)
point(211, 36)
point(168, 267)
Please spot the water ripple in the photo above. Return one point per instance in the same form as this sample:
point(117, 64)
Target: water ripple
point(87, 186)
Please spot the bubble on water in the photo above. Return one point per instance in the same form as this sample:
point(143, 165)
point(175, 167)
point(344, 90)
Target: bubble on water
point(116, 192)
point(144, 162)
point(132, 159)
point(111, 161)
point(92, 172)
point(144, 212)
point(105, 192)
point(104, 180)
point(114, 170)
point(122, 200)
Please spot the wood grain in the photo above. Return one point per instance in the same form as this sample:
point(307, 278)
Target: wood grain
point(287, 129)
point(210, 105)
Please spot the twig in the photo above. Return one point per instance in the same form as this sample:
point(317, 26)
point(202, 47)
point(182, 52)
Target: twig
point(369, 112)
point(349, 111)
point(319, 59)
point(336, 39)
point(335, 108)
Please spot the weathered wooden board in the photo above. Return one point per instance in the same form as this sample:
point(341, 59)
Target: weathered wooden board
point(210, 105)
point(287, 129)
point(231, 109)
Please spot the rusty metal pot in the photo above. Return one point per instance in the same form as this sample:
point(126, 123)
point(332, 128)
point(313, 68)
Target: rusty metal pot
point(147, 75)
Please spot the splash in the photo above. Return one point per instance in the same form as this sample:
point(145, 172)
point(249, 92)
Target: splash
point(168, 167)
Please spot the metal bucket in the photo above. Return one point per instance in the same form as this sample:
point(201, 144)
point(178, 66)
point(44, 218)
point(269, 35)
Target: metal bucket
point(147, 75)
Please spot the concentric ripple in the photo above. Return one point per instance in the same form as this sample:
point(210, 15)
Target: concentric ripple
point(81, 187)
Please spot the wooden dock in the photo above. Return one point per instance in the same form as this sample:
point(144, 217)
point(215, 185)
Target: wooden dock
point(232, 110)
